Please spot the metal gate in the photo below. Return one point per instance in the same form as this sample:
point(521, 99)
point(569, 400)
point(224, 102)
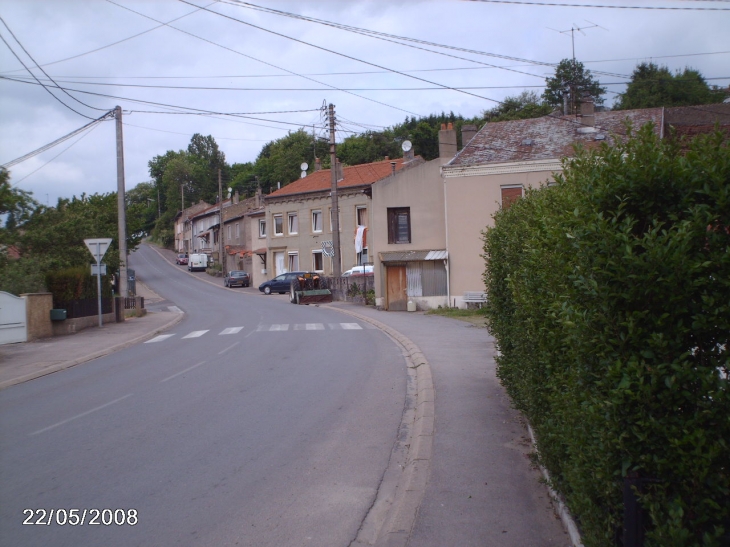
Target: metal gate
point(13, 325)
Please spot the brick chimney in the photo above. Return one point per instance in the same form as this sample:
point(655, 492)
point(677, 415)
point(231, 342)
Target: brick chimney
point(392, 166)
point(236, 198)
point(339, 171)
point(587, 111)
point(317, 164)
point(258, 197)
point(447, 141)
point(467, 133)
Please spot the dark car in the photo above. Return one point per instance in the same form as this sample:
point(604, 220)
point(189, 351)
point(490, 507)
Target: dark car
point(237, 277)
point(281, 283)
point(182, 258)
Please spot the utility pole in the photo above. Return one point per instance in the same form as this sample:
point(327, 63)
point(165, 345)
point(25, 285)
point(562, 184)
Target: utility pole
point(220, 222)
point(336, 262)
point(121, 207)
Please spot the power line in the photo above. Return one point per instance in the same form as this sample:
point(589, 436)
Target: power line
point(259, 60)
point(189, 135)
point(564, 5)
point(50, 145)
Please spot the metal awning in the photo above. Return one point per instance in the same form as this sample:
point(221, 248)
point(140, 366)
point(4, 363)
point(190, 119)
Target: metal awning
point(413, 256)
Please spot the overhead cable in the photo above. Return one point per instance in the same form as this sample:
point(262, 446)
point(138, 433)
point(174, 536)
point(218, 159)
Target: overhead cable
point(566, 5)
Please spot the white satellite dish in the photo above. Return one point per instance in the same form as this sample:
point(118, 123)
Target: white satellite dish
point(406, 146)
point(304, 166)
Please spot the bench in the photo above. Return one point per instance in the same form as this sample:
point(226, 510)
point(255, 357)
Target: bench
point(475, 297)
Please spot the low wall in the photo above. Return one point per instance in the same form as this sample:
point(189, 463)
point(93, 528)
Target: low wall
point(72, 326)
point(38, 315)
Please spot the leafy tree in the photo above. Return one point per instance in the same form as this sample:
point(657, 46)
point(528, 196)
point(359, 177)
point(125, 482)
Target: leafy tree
point(142, 205)
point(279, 160)
point(243, 179)
point(527, 104)
point(204, 152)
point(653, 86)
point(16, 206)
point(578, 79)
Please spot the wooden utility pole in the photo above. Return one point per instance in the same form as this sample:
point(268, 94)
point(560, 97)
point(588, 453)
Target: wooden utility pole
point(121, 207)
point(336, 262)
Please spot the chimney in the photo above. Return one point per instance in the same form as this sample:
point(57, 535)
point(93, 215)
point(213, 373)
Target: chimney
point(447, 142)
point(467, 133)
point(278, 185)
point(386, 158)
point(392, 166)
point(317, 164)
point(236, 198)
point(587, 111)
point(339, 172)
point(258, 197)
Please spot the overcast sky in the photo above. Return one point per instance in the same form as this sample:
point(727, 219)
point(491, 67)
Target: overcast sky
point(284, 79)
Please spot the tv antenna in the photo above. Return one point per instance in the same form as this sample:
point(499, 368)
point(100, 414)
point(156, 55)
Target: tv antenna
point(575, 28)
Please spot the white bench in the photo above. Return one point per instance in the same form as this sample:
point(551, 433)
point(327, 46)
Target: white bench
point(475, 297)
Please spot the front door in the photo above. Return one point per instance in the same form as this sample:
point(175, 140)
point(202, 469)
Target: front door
point(279, 263)
point(397, 284)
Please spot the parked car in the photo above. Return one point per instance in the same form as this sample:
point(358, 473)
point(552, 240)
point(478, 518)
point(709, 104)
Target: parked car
point(198, 262)
point(359, 270)
point(237, 277)
point(281, 283)
point(182, 259)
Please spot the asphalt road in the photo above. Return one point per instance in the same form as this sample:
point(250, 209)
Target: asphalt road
point(256, 423)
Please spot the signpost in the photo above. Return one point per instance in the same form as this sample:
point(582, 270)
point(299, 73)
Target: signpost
point(97, 248)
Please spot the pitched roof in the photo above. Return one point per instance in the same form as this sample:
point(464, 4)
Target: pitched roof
point(548, 137)
point(354, 175)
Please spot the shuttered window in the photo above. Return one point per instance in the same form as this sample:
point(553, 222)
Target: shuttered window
point(510, 194)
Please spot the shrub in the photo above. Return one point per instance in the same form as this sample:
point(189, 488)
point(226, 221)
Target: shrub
point(609, 297)
point(76, 284)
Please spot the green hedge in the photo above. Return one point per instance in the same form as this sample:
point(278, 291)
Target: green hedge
point(75, 284)
point(609, 298)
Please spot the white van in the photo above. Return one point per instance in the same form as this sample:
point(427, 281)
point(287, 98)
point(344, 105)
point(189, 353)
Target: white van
point(359, 270)
point(197, 262)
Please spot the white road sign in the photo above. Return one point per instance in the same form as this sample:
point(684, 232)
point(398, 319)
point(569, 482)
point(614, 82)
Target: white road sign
point(98, 246)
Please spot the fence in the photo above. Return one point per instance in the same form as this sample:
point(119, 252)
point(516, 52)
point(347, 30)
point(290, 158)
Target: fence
point(130, 303)
point(359, 289)
point(84, 307)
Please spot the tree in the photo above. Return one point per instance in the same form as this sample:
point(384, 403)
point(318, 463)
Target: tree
point(279, 161)
point(15, 205)
point(653, 86)
point(574, 76)
point(523, 106)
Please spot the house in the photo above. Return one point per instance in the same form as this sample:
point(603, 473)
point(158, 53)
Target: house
point(298, 219)
point(505, 158)
point(239, 235)
point(408, 232)
point(183, 226)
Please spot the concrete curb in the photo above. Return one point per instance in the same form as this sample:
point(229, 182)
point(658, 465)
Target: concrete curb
point(391, 517)
point(91, 356)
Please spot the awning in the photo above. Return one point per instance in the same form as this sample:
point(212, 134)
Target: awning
point(413, 256)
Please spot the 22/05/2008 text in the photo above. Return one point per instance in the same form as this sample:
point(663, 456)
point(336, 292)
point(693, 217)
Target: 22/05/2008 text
point(81, 517)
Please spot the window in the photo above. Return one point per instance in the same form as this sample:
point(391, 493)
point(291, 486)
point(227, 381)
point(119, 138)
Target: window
point(293, 223)
point(262, 228)
point(317, 263)
point(399, 224)
point(238, 230)
point(510, 194)
point(278, 225)
point(317, 221)
point(362, 216)
point(229, 233)
point(294, 262)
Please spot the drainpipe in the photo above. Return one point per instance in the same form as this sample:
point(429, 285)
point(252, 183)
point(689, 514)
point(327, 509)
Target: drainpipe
point(447, 262)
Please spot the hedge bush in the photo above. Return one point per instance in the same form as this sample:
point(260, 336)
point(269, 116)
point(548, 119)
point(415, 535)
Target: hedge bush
point(609, 298)
point(75, 284)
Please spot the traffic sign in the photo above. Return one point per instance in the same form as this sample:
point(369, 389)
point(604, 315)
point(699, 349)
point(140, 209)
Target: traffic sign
point(98, 246)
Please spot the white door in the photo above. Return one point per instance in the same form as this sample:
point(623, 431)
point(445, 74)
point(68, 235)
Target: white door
point(279, 263)
point(13, 327)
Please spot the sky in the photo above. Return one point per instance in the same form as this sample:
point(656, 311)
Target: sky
point(248, 76)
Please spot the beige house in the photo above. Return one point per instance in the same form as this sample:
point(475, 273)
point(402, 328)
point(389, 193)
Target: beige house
point(504, 159)
point(298, 217)
point(236, 237)
point(184, 226)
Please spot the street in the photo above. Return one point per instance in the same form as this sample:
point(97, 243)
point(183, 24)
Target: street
point(251, 422)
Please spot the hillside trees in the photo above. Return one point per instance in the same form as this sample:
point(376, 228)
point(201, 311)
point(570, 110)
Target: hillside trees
point(573, 75)
point(653, 86)
point(527, 104)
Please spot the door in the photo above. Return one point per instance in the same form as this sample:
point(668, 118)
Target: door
point(397, 284)
point(13, 327)
point(279, 263)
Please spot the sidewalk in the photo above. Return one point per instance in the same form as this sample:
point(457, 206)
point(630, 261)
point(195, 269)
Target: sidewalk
point(22, 362)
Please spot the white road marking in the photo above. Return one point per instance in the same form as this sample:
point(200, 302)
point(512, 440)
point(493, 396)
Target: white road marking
point(221, 352)
point(79, 415)
point(195, 334)
point(309, 326)
point(279, 327)
point(182, 372)
point(174, 309)
point(351, 326)
point(231, 330)
point(159, 338)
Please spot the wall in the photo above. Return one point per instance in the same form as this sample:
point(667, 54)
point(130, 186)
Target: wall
point(470, 205)
point(38, 315)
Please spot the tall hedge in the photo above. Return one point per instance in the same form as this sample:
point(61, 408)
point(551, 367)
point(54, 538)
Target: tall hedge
point(76, 284)
point(609, 298)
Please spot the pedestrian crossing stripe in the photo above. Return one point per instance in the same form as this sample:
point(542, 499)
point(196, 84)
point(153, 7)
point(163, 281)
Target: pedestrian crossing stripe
point(309, 326)
point(232, 330)
point(195, 334)
point(159, 338)
point(277, 327)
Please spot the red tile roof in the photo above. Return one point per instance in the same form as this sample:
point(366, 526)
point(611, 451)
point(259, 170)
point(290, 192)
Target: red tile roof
point(354, 175)
point(548, 137)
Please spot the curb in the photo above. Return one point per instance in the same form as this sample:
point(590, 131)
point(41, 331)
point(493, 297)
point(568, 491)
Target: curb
point(391, 517)
point(90, 357)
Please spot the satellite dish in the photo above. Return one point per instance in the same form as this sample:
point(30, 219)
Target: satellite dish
point(230, 189)
point(304, 166)
point(406, 146)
